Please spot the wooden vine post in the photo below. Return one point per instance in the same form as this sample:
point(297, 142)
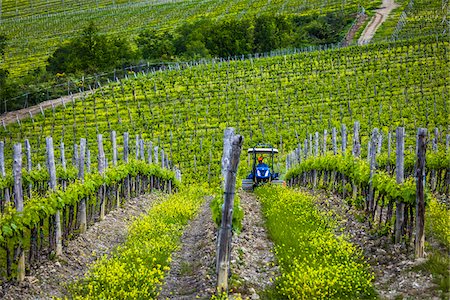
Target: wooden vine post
point(234, 148)
point(52, 183)
point(420, 197)
point(372, 163)
point(356, 151)
point(2, 170)
point(316, 154)
point(114, 161)
point(399, 166)
point(82, 210)
point(101, 171)
point(344, 148)
point(126, 150)
point(18, 199)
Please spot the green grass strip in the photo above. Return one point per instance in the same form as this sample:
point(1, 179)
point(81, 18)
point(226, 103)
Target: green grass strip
point(314, 263)
point(136, 269)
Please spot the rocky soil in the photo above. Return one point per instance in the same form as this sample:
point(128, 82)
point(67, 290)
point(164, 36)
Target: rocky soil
point(393, 265)
point(193, 275)
point(51, 277)
point(253, 264)
point(192, 271)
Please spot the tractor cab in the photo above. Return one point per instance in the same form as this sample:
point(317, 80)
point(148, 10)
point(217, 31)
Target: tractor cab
point(262, 158)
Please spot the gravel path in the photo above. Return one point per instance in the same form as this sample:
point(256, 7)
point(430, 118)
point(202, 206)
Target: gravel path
point(392, 265)
point(381, 15)
point(49, 278)
point(192, 271)
point(252, 260)
point(192, 274)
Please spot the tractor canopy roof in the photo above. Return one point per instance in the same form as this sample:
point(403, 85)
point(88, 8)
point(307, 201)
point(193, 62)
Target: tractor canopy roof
point(263, 150)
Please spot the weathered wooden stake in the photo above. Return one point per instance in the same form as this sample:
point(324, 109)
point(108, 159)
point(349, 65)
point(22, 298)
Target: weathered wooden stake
point(137, 146)
point(356, 151)
point(316, 154)
point(224, 237)
point(114, 147)
point(372, 162)
point(126, 138)
point(101, 170)
point(62, 153)
point(156, 153)
point(149, 152)
point(2, 170)
point(18, 199)
point(82, 210)
point(333, 140)
point(400, 206)
point(142, 151)
point(52, 183)
point(420, 198)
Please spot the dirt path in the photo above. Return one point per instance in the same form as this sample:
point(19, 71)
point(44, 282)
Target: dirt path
point(12, 116)
point(252, 260)
point(393, 266)
point(381, 15)
point(192, 274)
point(192, 271)
point(49, 279)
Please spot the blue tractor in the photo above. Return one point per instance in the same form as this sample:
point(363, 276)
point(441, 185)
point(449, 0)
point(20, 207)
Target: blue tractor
point(261, 173)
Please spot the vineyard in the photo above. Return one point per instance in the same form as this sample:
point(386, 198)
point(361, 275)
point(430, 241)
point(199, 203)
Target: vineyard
point(38, 27)
point(363, 134)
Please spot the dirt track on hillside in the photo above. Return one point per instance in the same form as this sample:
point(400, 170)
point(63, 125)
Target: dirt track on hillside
point(12, 116)
point(381, 15)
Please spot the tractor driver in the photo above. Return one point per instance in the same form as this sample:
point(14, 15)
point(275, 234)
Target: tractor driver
point(260, 163)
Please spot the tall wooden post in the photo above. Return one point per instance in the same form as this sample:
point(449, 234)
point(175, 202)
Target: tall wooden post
point(333, 140)
point(52, 183)
point(156, 153)
point(400, 206)
point(18, 201)
point(62, 154)
point(325, 146)
point(344, 148)
point(149, 152)
point(420, 197)
point(82, 219)
point(388, 167)
point(344, 138)
point(137, 146)
point(2, 169)
point(316, 154)
point(224, 238)
point(372, 162)
point(101, 170)
point(126, 152)
point(29, 166)
point(114, 147)
point(126, 138)
point(142, 149)
point(356, 151)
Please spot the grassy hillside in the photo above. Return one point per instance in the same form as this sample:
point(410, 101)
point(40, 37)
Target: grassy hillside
point(279, 100)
